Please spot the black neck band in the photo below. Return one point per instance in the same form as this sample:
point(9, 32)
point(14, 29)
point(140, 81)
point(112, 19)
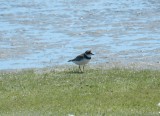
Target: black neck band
point(87, 57)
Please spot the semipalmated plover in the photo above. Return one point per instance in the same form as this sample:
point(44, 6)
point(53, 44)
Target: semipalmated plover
point(82, 59)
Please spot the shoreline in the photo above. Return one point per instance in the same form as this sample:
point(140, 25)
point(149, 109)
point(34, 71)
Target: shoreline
point(102, 66)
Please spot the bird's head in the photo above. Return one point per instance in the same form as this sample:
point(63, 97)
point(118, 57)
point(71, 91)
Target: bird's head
point(89, 53)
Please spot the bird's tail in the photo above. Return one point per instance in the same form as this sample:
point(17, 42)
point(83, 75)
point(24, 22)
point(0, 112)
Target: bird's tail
point(69, 60)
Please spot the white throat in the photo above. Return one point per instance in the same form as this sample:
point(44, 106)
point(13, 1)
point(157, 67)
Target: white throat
point(88, 55)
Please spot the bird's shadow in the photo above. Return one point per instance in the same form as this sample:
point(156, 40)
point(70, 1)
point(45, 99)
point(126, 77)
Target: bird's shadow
point(74, 72)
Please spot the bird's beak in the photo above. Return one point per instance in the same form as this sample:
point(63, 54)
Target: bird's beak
point(92, 54)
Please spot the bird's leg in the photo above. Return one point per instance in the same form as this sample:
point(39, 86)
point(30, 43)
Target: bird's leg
point(83, 68)
point(80, 68)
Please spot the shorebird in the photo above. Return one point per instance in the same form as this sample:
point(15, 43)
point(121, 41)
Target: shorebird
point(82, 59)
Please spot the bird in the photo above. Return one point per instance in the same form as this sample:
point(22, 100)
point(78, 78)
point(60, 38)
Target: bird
point(82, 59)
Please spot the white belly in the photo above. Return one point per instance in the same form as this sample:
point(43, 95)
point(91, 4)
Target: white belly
point(82, 62)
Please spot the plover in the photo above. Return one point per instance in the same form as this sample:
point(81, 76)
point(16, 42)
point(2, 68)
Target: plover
point(82, 59)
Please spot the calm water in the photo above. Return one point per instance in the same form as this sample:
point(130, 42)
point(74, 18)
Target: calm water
point(42, 33)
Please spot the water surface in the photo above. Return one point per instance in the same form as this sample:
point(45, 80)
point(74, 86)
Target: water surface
point(42, 33)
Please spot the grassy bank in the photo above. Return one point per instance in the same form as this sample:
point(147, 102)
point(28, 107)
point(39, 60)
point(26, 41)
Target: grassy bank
point(95, 92)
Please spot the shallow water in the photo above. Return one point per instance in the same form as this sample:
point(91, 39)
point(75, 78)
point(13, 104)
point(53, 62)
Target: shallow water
point(42, 33)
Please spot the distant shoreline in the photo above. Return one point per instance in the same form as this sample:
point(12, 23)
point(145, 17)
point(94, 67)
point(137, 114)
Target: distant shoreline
point(108, 65)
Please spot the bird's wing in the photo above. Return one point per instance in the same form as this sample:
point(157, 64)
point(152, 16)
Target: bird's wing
point(78, 58)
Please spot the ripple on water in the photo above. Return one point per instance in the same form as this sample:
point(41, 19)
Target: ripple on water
point(45, 33)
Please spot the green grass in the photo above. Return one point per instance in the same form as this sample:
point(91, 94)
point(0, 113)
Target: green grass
point(116, 92)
